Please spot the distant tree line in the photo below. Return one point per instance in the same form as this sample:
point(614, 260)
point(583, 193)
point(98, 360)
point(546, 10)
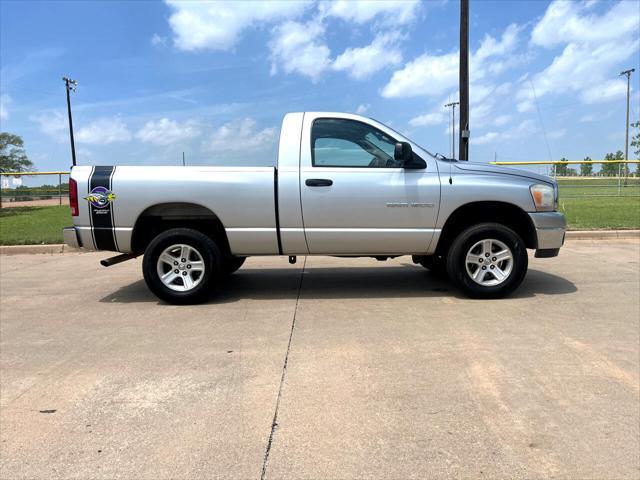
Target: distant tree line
point(586, 169)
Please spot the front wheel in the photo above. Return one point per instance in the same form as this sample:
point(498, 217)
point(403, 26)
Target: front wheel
point(487, 260)
point(179, 266)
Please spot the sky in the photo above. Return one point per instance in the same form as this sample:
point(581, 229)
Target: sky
point(213, 80)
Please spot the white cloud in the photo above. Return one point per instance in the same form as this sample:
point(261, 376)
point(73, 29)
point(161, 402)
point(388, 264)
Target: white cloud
point(218, 25)
point(158, 41)
point(605, 91)
point(241, 134)
point(362, 62)
point(299, 48)
point(388, 12)
point(566, 22)
point(486, 138)
point(432, 75)
point(525, 128)
point(501, 120)
point(429, 75)
point(167, 132)
point(595, 46)
point(104, 131)
point(5, 100)
point(363, 108)
point(490, 47)
point(432, 118)
point(53, 124)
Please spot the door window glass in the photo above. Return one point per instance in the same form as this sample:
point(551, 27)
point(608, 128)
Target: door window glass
point(339, 142)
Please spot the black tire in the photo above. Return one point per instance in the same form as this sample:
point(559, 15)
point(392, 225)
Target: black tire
point(211, 261)
point(437, 264)
point(457, 261)
point(231, 264)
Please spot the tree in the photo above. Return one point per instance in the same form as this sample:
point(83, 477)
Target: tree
point(635, 140)
point(635, 144)
point(561, 170)
point(609, 169)
point(586, 169)
point(12, 155)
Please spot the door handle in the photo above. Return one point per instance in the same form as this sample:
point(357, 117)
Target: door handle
point(318, 182)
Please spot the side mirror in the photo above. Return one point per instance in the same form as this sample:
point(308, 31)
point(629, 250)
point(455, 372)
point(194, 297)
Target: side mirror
point(403, 152)
point(410, 160)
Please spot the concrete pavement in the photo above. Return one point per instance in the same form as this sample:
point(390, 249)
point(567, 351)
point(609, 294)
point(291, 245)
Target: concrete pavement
point(390, 373)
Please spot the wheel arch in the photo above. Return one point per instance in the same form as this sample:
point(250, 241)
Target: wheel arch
point(165, 216)
point(469, 214)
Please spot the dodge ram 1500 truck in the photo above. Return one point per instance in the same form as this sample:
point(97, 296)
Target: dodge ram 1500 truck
point(344, 185)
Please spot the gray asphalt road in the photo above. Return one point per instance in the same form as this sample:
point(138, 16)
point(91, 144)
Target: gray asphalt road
point(389, 372)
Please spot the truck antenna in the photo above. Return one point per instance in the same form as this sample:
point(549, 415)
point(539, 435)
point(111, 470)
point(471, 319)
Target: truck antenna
point(70, 86)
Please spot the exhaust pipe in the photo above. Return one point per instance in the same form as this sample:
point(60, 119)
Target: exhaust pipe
point(107, 262)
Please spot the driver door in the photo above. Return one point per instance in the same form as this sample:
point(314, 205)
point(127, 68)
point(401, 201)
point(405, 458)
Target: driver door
point(357, 199)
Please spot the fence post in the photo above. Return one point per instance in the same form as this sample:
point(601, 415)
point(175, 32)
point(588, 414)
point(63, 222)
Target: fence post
point(619, 178)
point(59, 189)
point(0, 190)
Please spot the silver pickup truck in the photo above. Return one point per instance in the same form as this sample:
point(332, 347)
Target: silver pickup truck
point(344, 185)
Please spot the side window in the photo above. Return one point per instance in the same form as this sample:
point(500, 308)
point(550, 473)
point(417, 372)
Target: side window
point(339, 142)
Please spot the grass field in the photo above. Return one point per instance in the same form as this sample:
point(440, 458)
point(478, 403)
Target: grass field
point(33, 225)
point(593, 202)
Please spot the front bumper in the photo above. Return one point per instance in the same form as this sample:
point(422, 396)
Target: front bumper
point(550, 230)
point(70, 237)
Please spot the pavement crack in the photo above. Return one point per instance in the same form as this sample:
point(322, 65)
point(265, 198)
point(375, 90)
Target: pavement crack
point(274, 423)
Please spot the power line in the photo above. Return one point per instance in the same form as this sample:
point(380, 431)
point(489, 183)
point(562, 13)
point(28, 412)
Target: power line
point(544, 131)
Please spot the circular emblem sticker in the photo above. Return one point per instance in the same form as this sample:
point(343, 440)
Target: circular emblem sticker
point(100, 197)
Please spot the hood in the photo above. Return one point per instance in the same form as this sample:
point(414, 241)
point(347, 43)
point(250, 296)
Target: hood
point(488, 168)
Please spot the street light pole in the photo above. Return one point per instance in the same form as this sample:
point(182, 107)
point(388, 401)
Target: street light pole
point(626, 138)
point(453, 127)
point(464, 80)
point(70, 85)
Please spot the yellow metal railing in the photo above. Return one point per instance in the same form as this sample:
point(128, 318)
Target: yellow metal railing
point(562, 162)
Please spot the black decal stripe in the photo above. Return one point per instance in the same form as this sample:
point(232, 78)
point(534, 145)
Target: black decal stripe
point(113, 220)
point(93, 238)
point(101, 217)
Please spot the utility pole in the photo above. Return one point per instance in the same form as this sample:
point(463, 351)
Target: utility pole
point(70, 85)
point(453, 127)
point(464, 80)
point(626, 138)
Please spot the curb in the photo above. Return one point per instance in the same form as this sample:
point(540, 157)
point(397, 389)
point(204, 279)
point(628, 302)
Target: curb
point(571, 235)
point(43, 249)
point(602, 234)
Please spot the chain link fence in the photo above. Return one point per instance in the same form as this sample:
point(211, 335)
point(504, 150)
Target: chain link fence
point(36, 189)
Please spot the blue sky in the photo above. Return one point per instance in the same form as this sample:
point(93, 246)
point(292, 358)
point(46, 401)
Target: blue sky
point(214, 80)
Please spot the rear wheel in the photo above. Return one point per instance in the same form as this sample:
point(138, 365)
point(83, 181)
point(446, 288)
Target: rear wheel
point(437, 264)
point(179, 266)
point(487, 260)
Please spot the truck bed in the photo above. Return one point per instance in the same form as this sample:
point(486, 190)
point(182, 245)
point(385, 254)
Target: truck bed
point(243, 198)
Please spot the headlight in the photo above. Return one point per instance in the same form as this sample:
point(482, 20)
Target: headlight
point(543, 197)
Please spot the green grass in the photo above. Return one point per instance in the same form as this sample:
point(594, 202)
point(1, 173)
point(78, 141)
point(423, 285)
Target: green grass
point(33, 225)
point(572, 187)
point(586, 211)
point(601, 212)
